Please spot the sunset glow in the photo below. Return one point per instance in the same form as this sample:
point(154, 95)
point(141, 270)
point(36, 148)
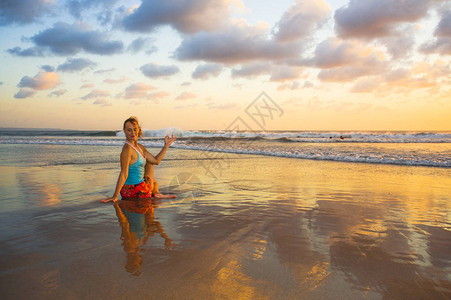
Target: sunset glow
point(329, 64)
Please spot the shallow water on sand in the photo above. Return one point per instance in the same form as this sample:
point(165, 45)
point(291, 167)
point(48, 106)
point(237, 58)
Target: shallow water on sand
point(242, 227)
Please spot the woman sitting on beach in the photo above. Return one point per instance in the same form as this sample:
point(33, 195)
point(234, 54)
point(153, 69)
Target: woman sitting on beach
point(136, 177)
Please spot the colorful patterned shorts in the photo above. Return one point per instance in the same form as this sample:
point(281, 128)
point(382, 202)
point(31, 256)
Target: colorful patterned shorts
point(141, 190)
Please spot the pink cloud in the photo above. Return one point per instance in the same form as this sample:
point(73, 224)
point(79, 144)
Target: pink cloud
point(96, 94)
point(155, 97)
point(113, 81)
point(42, 81)
point(87, 85)
point(138, 90)
point(102, 102)
point(343, 61)
point(185, 96)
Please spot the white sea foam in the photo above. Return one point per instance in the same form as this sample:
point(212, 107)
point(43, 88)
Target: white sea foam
point(309, 136)
point(402, 148)
point(162, 132)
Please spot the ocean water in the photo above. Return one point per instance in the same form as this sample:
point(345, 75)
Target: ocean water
point(378, 147)
point(264, 215)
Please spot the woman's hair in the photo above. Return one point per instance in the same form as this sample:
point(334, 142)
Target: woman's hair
point(134, 121)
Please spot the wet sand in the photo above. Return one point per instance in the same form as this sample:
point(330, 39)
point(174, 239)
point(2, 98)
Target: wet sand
point(242, 227)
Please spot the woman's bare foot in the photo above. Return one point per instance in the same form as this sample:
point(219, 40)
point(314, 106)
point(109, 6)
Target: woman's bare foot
point(161, 196)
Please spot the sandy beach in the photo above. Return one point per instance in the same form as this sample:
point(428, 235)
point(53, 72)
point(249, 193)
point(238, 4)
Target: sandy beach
point(307, 144)
point(242, 227)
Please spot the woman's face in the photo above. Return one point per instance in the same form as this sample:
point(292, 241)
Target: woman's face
point(131, 131)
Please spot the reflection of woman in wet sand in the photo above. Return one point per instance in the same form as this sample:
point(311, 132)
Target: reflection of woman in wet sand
point(136, 177)
point(137, 221)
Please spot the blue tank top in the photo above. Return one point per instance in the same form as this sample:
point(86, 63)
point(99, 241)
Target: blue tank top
point(136, 170)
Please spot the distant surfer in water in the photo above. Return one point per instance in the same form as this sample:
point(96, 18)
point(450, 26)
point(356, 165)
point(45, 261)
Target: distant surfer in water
point(136, 179)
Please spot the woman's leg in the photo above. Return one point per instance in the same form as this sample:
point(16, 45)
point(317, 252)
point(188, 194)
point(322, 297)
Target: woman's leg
point(148, 172)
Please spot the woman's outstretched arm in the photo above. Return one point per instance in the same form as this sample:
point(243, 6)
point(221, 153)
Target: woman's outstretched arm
point(155, 160)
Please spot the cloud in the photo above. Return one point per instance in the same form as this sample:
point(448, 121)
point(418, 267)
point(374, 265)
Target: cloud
point(185, 96)
point(96, 94)
point(276, 72)
point(377, 18)
point(29, 52)
point(284, 73)
point(420, 76)
point(76, 64)
point(405, 85)
point(365, 85)
point(77, 7)
point(439, 69)
point(104, 71)
point(138, 90)
point(238, 43)
point(24, 93)
point(87, 85)
point(184, 16)
point(400, 46)
point(444, 26)
point(58, 93)
point(66, 39)
point(251, 70)
point(23, 11)
point(352, 72)
point(114, 81)
point(442, 44)
point(308, 84)
point(333, 53)
point(42, 81)
point(156, 96)
point(300, 20)
point(140, 44)
point(346, 60)
point(207, 71)
point(294, 85)
point(153, 70)
point(102, 102)
point(105, 17)
point(397, 75)
point(48, 68)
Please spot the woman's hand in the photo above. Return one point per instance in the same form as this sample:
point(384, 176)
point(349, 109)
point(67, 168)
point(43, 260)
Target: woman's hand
point(168, 140)
point(114, 199)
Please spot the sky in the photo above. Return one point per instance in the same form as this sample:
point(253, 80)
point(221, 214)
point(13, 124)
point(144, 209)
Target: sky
point(200, 64)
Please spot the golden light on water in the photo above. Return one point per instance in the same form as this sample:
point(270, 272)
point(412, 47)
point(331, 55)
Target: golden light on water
point(52, 194)
point(232, 283)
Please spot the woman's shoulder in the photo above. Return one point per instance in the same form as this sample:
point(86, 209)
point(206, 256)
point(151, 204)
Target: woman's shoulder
point(126, 148)
point(141, 147)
